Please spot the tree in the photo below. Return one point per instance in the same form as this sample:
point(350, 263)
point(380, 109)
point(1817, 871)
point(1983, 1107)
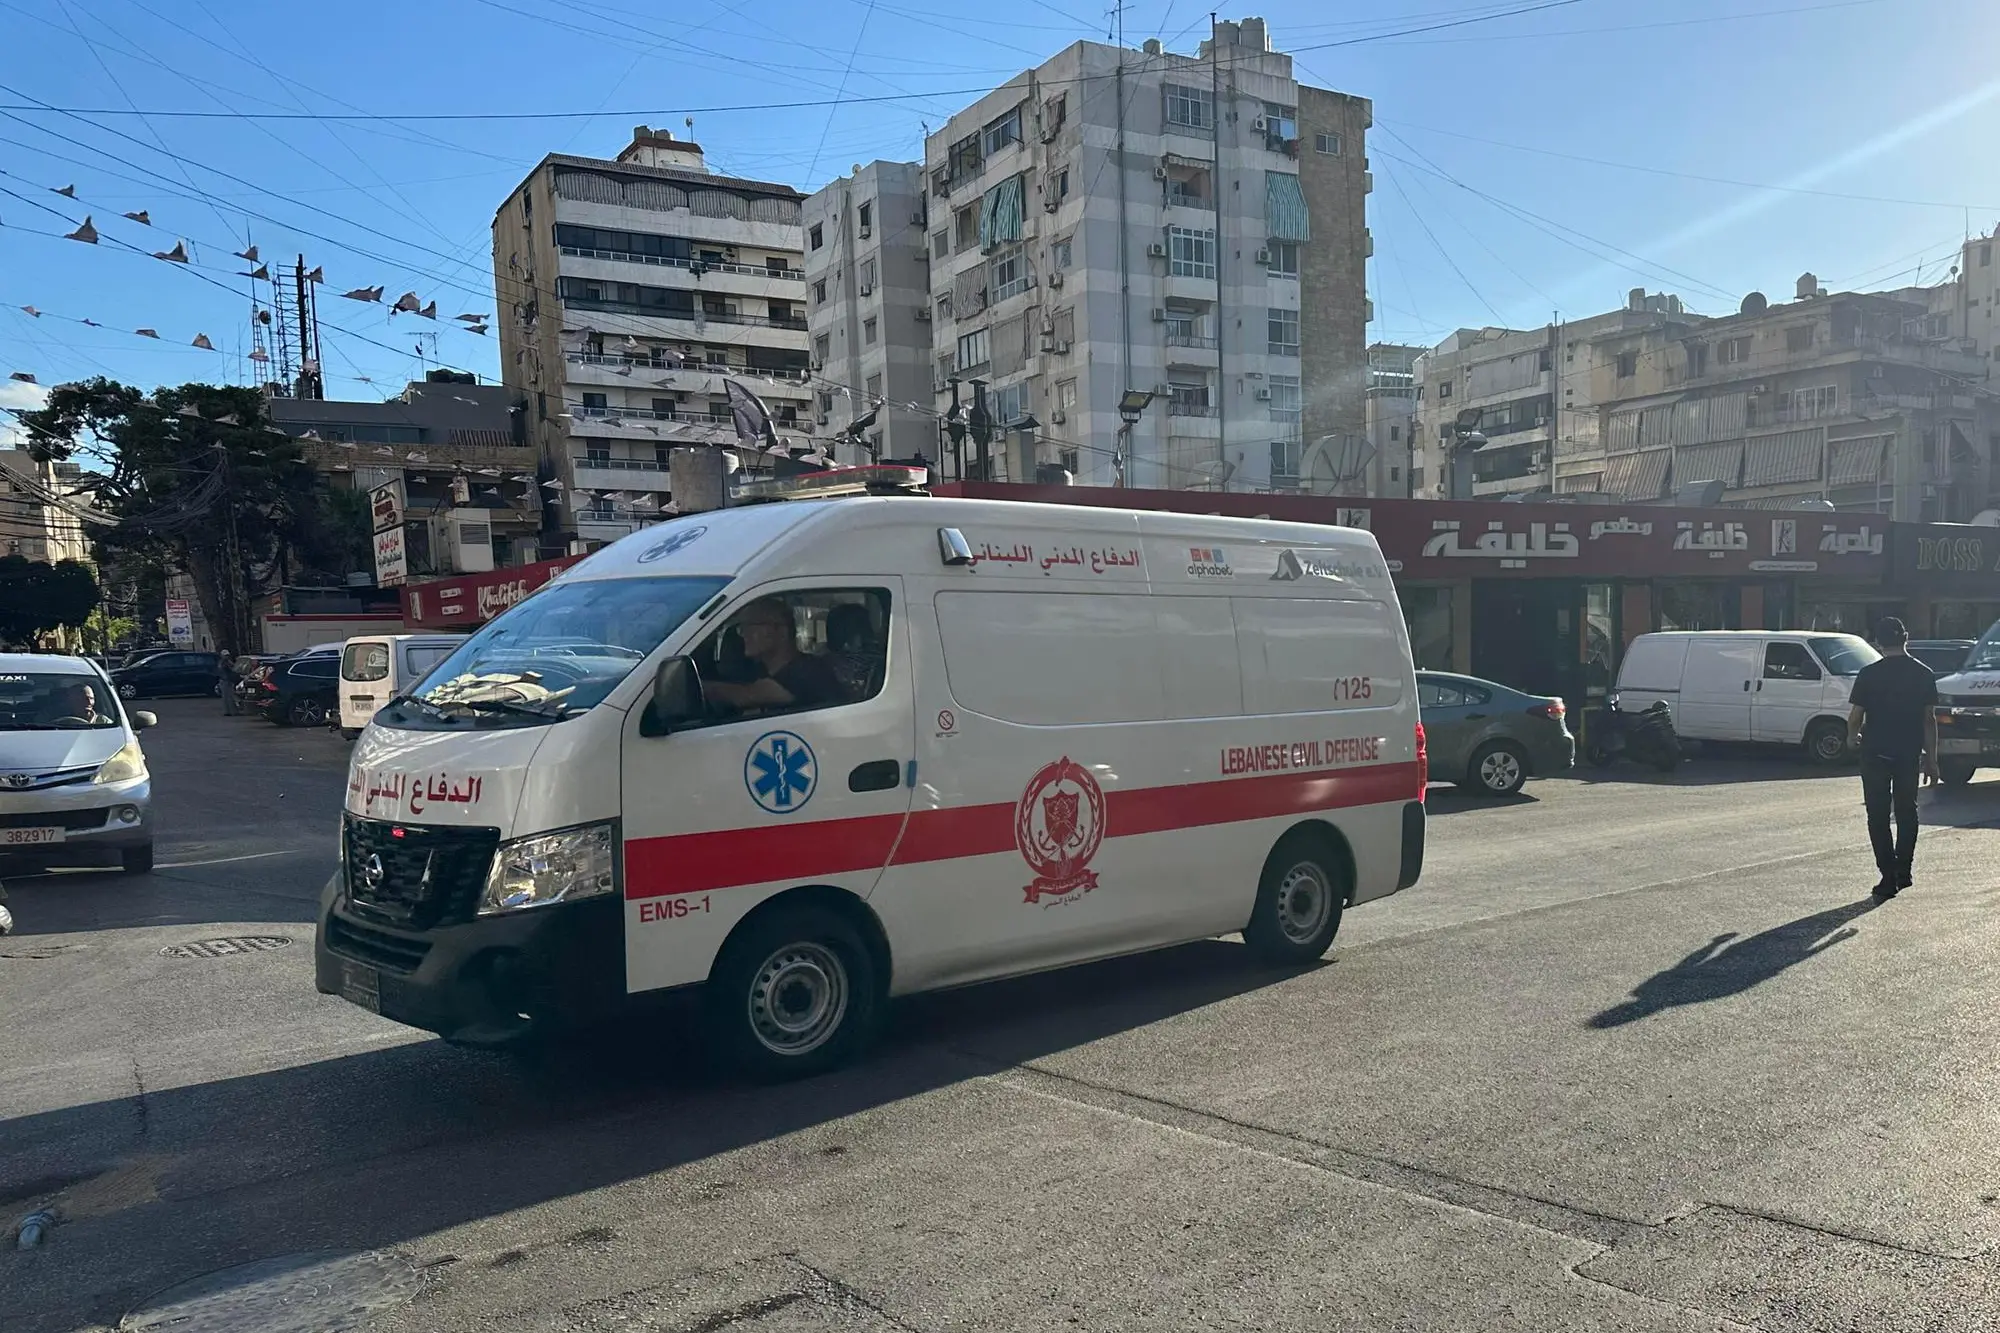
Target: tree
point(36, 597)
point(200, 481)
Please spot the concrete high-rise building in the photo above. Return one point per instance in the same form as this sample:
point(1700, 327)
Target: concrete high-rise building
point(30, 526)
point(629, 291)
point(1117, 225)
point(1392, 419)
point(868, 309)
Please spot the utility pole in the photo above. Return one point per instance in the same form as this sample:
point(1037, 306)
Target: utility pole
point(312, 385)
point(982, 431)
point(1221, 249)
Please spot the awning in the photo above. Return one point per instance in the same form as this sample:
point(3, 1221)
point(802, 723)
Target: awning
point(1640, 476)
point(1581, 481)
point(1856, 462)
point(1001, 214)
point(1285, 213)
point(1776, 459)
point(1709, 462)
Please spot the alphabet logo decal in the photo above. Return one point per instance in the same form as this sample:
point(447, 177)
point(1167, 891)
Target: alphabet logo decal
point(673, 541)
point(1058, 826)
point(780, 772)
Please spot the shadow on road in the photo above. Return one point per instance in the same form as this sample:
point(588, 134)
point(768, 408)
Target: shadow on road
point(1728, 966)
point(486, 1135)
point(1451, 800)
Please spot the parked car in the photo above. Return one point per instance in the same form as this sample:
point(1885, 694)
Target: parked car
point(1968, 713)
point(74, 790)
point(376, 668)
point(1488, 738)
point(1945, 657)
point(167, 673)
point(300, 691)
point(1778, 687)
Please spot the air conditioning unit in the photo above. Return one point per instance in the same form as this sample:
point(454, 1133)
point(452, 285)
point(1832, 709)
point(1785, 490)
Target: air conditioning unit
point(1263, 395)
point(467, 539)
point(918, 219)
point(1049, 133)
point(923, 314)
point(1157, 250)
point(821, 418)
point(866, 232)
point(1877, 372)
point(1050, 203)
point(1061, 348)
point(817, 364)
point(1058, 417)
point(867, 289)
point(1056, 278)
point(1159, 314)
point(1260, 124)
point(1263, 256)
point(1160, 172)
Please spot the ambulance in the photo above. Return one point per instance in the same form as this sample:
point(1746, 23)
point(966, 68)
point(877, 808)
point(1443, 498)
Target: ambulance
point(814, 754)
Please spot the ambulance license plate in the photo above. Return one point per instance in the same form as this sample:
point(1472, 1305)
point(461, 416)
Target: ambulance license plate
point(361, 984)
point(30, 837)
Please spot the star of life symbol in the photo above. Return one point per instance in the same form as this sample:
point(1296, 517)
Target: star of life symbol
point(780, 772)
point(672, 542)
point(1058, 826)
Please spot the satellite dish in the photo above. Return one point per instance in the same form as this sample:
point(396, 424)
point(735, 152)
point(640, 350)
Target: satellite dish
point(1333, 463)
point(1212, 474)
point(1698, 495)
point(1986, 518)
point(1754, 304)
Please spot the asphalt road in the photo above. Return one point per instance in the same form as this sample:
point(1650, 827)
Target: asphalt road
point(1638, 1053)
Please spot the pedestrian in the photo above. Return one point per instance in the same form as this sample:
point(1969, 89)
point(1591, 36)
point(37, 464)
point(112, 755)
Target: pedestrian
point(1894, 722)
point(225, 682)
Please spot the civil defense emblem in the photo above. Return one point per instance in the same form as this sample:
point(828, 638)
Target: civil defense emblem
point(780, 772)
point(1059, 825)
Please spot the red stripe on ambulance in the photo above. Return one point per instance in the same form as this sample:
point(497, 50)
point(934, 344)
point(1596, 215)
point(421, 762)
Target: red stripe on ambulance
point(801, 853)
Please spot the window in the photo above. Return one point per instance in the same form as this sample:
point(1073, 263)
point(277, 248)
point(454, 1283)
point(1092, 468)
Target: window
point(1395, 434)
point(1697, 360)
point(819, 292)
point(867, 217)
point(1282, 332)
point(825, 401)
point(867, 274)
point(663, 408)
point(1281, 127)
point(790, 653)
point(1733, 351)
point(965, 228)
point(1188, 189)
point(1822, 400)
point(822, 345)
point(1328, 144)
point(1062, 324)
point(1188, 398)
point(1799, 338)
point(870, 331)
point(974, 351)
point(1009, 274)
point(1628, 365)
point(1065, 396)
point(365, 661)
point(818, 236)
point(947, 366)
point(1285, 399)
point(944, 306)
point(1055, 114)
point(1285, 459)
point(1986, 256)
point(1062, 184)
point(1191, 107)
point(1284, 259)
point(873, 388)
point(715, 356)
point(1060, 253)
point(1544, 361)
point(941, 243)
point(1010, 404)
point(1190, 253)
point(1444, 389)
point(1789, 661)
point(1004, 132)
point(595, 404)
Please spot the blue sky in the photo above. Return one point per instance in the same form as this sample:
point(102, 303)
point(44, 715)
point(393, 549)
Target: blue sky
point(1525, 164)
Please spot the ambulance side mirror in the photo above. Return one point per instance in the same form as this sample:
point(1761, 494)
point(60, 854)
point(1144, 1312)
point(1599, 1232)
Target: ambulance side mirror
point(677, 699)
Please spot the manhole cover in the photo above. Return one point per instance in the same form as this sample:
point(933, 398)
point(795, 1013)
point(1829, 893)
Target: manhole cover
point(223, 948)
point(327, 1292)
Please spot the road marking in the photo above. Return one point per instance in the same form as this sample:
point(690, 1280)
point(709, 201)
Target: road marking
point(225, 860)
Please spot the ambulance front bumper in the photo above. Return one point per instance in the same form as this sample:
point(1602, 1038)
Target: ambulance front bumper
point(492, 981)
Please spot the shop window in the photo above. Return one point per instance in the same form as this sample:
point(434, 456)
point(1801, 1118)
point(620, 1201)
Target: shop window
point(1428, 614)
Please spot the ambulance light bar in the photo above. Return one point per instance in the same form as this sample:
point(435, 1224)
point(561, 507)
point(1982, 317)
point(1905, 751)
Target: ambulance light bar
point(875, 479)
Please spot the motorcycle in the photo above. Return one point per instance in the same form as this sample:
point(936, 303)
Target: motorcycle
point(1645, 736)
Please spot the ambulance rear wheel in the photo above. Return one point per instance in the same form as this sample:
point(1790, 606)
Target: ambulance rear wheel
point(793, 993)
point(1303, 891)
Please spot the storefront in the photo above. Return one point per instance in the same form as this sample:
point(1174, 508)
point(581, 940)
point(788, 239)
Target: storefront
point(1949, 574)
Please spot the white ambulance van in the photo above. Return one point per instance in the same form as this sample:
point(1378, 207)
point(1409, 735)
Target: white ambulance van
point(812, 755)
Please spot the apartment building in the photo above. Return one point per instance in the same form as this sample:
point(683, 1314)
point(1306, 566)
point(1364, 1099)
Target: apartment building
point(868, 309)
point(31, 527)
point(1532, 394)
point(1391, 413)
point(459, 450)
point(1179, 236)
point(630, 290)
point(1869, 402)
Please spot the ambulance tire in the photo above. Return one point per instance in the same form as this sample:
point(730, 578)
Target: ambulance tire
point(1304, 888)
point(794, 992)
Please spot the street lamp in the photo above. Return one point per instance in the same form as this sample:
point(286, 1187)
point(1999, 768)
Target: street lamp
point(1466, 440)
point(1130, 408)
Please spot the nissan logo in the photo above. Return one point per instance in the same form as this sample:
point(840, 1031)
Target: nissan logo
point(371, 871)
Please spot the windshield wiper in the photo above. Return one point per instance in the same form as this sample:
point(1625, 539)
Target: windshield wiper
point(511, 706)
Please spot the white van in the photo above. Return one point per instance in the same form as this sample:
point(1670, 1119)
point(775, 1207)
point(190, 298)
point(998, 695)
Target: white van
point(378, 667)
point(815, 754)
point(1786, 687)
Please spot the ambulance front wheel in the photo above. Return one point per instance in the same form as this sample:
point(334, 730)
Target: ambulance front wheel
point(1304, 888)
point(794, 992)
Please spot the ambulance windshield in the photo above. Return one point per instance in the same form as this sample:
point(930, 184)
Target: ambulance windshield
point(557, 654)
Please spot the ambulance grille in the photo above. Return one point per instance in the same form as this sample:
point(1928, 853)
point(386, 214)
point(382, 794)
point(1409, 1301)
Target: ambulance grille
point(416, 875)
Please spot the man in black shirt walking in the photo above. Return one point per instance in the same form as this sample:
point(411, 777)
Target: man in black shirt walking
point(1894, 722)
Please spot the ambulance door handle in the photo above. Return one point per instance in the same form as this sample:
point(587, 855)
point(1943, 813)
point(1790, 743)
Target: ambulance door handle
point(876, 775)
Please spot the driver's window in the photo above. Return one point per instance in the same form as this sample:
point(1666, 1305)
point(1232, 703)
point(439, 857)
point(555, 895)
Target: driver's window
point(793, 652)
point(1789, 661)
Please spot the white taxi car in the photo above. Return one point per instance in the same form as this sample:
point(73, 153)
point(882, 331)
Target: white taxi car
point(74, 790)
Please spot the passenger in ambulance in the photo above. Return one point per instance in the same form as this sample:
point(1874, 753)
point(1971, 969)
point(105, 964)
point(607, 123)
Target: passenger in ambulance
point(788, 679)
point(857, 657)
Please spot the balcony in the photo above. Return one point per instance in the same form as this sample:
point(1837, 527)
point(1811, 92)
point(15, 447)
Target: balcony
point(1200, 342)
point(1182, 407)
point(640, 425)
point(687, 376)
point(694, 266)
point(699, 318)
point(598, 472)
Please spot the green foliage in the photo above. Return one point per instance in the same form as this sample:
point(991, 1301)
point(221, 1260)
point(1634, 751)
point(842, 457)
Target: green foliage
point(36, 597)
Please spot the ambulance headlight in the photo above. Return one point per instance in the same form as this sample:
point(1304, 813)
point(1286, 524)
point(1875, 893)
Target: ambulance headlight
point(551, 868)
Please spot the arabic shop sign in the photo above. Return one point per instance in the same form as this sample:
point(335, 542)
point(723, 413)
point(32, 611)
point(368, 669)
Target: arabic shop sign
point(1953, 557)
point(473, 599)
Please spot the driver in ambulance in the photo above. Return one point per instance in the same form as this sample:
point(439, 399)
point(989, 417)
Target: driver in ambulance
point(790, 680)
